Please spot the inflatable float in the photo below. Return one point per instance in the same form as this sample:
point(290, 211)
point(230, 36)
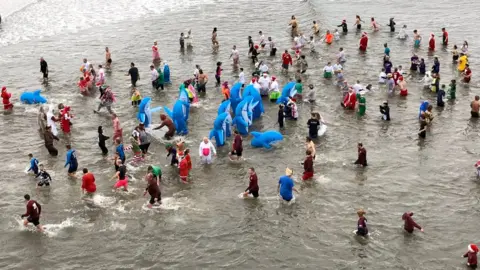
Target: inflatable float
point(145, 113)
point(265, 139)
point(33, 97)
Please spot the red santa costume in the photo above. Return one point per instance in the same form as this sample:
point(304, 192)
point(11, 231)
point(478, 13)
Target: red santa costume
point(183, 169)
point(65, 120)
point(431, 42)
point(364, 42)
point(350, 100)
point(471, 255)
point(6, 99)
point(395, 76)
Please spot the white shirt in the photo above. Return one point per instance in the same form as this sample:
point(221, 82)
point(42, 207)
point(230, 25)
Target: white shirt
point(196, 72)
point(256, 85)
point(337, 67)
point(241, 77)
point(311, 42)
point(154, 75)
point(274, 86)
point(336, 35)
point(262, 39)
point(341, 56)
point(328, 69)
point(263, 68)
point(101, 74)
point(264, 82)
point(382, 78)
point(208, 145)
point(357, 87)
point(51, 123)
point(86, 65)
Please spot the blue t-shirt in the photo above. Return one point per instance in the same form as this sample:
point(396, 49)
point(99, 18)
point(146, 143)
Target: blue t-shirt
point(120, 151)
point(387, 51)
point(286, 187)
point(440, 96)
point(71, 158)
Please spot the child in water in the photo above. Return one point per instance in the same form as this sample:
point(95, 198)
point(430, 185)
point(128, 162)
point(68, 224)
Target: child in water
point(136, 97)
point(362, 228)
point(44, 177)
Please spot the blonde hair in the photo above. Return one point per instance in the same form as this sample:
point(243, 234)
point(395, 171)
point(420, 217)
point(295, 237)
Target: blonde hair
point(361, 212)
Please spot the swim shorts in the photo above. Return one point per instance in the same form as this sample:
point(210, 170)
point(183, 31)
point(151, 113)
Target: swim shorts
point(35, 221)
point(285, 66)
point(307, 176)
point(72, 169)
point(237, 153)
point(122, 183)
point(254, 193)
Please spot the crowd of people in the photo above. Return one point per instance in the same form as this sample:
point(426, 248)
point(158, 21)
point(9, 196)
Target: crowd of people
point(395, 79)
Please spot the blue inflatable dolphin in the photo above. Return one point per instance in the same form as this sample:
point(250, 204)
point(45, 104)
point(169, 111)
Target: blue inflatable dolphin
point(265, 139)
point(250, 108)
point(166, 73)
point(145, 113)
point(220, 128)
point(225, 108)
point(178, 115)
point(287, 92)
point(423, 108)
point(235, 95)
point(183, 96)
point(258, 109)
point(241, 120)
point(33, 97)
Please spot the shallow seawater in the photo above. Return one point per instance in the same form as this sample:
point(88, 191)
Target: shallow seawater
point(204, 224)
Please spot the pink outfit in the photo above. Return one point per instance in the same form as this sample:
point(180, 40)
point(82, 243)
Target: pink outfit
point(155, 53)
point(122, 183)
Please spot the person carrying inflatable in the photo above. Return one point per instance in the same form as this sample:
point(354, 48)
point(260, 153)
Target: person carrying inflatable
point(169, 124)
point(7, 106)
point(363, 42)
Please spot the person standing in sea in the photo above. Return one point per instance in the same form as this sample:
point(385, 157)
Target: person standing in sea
point(155, 52)
point(44, 69)
point(294, 24)
point(214, 39)
point(475, 105)
point(108, 58)
point(362, 156)
point(134, 75)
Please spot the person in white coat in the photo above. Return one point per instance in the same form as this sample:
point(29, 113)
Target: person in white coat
point(51, 120)
point(205, 151)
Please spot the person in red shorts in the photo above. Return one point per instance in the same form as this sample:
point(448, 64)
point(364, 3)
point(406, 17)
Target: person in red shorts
point(121, 175)
point(34, 209)
point(308, 166)
point(88, 184)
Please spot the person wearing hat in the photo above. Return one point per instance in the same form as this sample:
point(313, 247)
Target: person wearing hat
point(344, 26)
point(390, 83)
point(362, 228)
point(135, 142)
point(7, 106)
point(274, 90)
point(286, 186)
point(225, 91)
point(362, 103)
point(431, 42)
point(410, 224)
point(385, 111)
point(363, 42)
point(472, 256)
point(183, 167)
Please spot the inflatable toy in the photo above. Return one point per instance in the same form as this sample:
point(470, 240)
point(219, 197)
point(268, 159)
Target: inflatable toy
point(423, 108)
point(32, 97)
point(179, 116)
point(225, 108)
point(145, 112)
point(166, 73)
point(194, 93)
point(183, 97)
point(257, 98)
point(287, 92)
point(221, 127)
point(241, 120)
point(235, 95)
point(265, 139)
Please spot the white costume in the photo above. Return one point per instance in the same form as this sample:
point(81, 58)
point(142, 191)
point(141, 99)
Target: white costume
point(382, 78)
point(264, 82)
point(205, 152)
point(50, 122)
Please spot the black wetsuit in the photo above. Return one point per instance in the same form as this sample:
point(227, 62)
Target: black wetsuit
point(392, 25)
point(101, 143)
point(281, 116)
point(344, 27)
point(385, 110)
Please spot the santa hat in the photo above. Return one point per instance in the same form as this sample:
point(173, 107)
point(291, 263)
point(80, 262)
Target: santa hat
point(473, 248)
point(256, 46)
point(274, 78)
point(254, 79)
point(477, 164)
point(4, 88)
point(431, 34)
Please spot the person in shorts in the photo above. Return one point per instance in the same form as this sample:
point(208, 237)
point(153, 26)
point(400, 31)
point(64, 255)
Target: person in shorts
point(253, 184)
point(34, 209)
point(121, 175)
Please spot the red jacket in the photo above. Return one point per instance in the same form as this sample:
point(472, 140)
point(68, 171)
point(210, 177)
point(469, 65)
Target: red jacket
point(189, 161)
point(88, 182)
point(6, 97)
point(431, 44)
point(183, 168)
point(286, 59)
point(350, 100)
point(472, 258)
point(363, 43)
point(65, 120)
point(410, 224)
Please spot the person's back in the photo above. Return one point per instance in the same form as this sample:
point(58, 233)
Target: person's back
point(313, 127)
point(286, 185)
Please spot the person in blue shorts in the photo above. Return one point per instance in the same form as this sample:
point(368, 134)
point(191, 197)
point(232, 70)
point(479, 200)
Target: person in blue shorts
point(71, 160)
point(286, 186)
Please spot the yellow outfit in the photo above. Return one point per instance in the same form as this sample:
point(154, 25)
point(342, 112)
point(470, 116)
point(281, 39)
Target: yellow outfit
point(462, 61)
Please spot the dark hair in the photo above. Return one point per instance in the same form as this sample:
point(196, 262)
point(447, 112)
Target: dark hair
point(85, 170)
point(100, 129)
point(27, 197)
point(149, 168)
point(236, 131)
point(186, 152)
point(308, 152)
point(214, 29)
point(219, 63)
point(30, 155)
point(360, 144)
point(314, 21)
point(132, 64)
point(308, 137)
point(68, 146)
point(241, 69)
point(251, 168)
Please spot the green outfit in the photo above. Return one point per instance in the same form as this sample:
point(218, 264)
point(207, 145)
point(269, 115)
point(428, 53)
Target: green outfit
point(135, 145)
point(327, 74)
point(361, 108)
point(156, 171)
point(452, 91)
point(274, 95)
point(299, 88)
point(160, 79)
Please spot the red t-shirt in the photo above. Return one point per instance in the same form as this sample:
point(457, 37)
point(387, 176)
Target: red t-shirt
point(34, 209)
point(237, 143)
point(253, 186)
point(88, 182)
point(286, 59)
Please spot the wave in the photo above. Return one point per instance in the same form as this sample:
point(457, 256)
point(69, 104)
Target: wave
point(9, 7)
point(32, 19)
